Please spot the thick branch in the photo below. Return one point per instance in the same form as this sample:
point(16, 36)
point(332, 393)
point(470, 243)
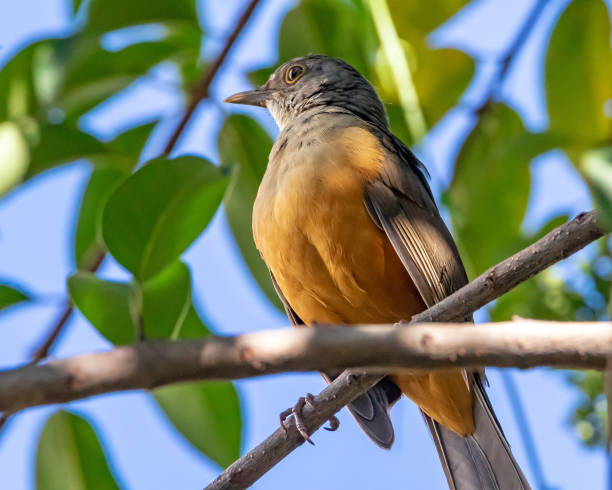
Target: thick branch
point(556, 245)
point(523, 343)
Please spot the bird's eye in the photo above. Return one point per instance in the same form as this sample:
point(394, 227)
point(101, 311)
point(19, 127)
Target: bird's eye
point(294, 73)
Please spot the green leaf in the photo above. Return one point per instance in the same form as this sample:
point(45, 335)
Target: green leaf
point(111, 169)
point(109, 306)
point(207, 414)
point(88, 243)
point(166, 299)
point(415, 20)
point(244, 146)
point(14, 155)
point(441, 77)
point(596, 165)
point(60, 144)
point(192, 326)
point(69, 456)
point(132, 141)
point(160, 210)
point(340, 29)
point(579, 73)
point(99, 73)
point(10, 296)
point(490, 188)
point(109, 15)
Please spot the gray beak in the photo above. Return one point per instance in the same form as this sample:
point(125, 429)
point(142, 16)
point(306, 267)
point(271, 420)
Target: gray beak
point(257, 97)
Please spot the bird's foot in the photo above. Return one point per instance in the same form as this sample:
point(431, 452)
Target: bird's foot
point(297, 410)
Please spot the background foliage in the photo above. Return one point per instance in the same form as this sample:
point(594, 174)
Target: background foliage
point(147, 213)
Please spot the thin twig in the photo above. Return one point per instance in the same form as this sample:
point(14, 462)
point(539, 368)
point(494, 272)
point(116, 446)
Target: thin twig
point(511, 54)
point(200, 91)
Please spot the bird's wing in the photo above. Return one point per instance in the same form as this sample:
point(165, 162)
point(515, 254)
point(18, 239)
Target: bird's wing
point(401, 204)
point(370, 410)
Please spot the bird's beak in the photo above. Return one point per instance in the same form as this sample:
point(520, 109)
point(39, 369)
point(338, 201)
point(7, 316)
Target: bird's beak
point(257, 97)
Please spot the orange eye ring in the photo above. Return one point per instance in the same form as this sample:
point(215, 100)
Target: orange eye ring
point(294, 73)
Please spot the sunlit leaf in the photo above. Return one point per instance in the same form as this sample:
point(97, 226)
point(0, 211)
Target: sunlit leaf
point(10, 296)
point(14, 155)
point(244, 146)
point(109, 306)
point(441, 76)
point(597, 167)
point(579, 73)
point(166, 299)
point(109, 15)
point(490, 189)
point(415, 20)
point(70, 457)
point(207, 414)
point(154, 215)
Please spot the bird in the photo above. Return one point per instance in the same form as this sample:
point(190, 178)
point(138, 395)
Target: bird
point(349, 229)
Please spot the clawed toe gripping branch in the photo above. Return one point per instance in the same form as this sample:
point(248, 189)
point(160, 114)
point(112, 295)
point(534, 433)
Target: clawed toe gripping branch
point(296, 411)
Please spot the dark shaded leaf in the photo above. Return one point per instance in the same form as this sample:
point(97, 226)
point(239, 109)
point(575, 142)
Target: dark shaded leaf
point(109, 306)
point(160, 210)
point(10, 296)
point(579, 73)
point(109, 15)
point(490, 189)
point(88, 243)
point(60, 144)
point(207, 414)
point(166, 299)
point(244, 146)
point(596, 165)
point(70, 457)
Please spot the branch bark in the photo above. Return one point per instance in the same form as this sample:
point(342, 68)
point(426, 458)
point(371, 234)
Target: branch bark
point(556, 245)
point(380, 348)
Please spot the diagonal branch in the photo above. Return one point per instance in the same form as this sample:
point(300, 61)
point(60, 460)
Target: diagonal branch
point(556, 245)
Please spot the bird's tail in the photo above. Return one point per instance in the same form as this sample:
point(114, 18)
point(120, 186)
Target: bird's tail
point(483, 460)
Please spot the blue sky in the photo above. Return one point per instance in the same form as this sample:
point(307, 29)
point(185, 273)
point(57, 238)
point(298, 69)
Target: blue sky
point(37, 222)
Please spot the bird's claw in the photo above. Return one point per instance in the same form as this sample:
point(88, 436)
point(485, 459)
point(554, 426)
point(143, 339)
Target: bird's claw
point(297, 410)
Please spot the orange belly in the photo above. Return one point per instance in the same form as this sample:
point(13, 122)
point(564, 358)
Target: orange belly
point(335, 266)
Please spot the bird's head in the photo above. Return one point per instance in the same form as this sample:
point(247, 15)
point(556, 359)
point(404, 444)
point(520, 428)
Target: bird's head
point(313, 82)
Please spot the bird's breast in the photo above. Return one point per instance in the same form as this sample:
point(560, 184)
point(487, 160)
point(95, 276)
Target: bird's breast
point(311, 226)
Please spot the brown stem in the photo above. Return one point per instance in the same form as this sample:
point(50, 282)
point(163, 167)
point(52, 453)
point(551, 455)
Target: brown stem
point(200, 91)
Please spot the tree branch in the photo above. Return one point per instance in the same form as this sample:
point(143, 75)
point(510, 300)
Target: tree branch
point(381, 348)
point(556, 245)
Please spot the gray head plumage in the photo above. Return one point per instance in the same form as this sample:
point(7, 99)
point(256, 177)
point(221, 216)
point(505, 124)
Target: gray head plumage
point(315, 81)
